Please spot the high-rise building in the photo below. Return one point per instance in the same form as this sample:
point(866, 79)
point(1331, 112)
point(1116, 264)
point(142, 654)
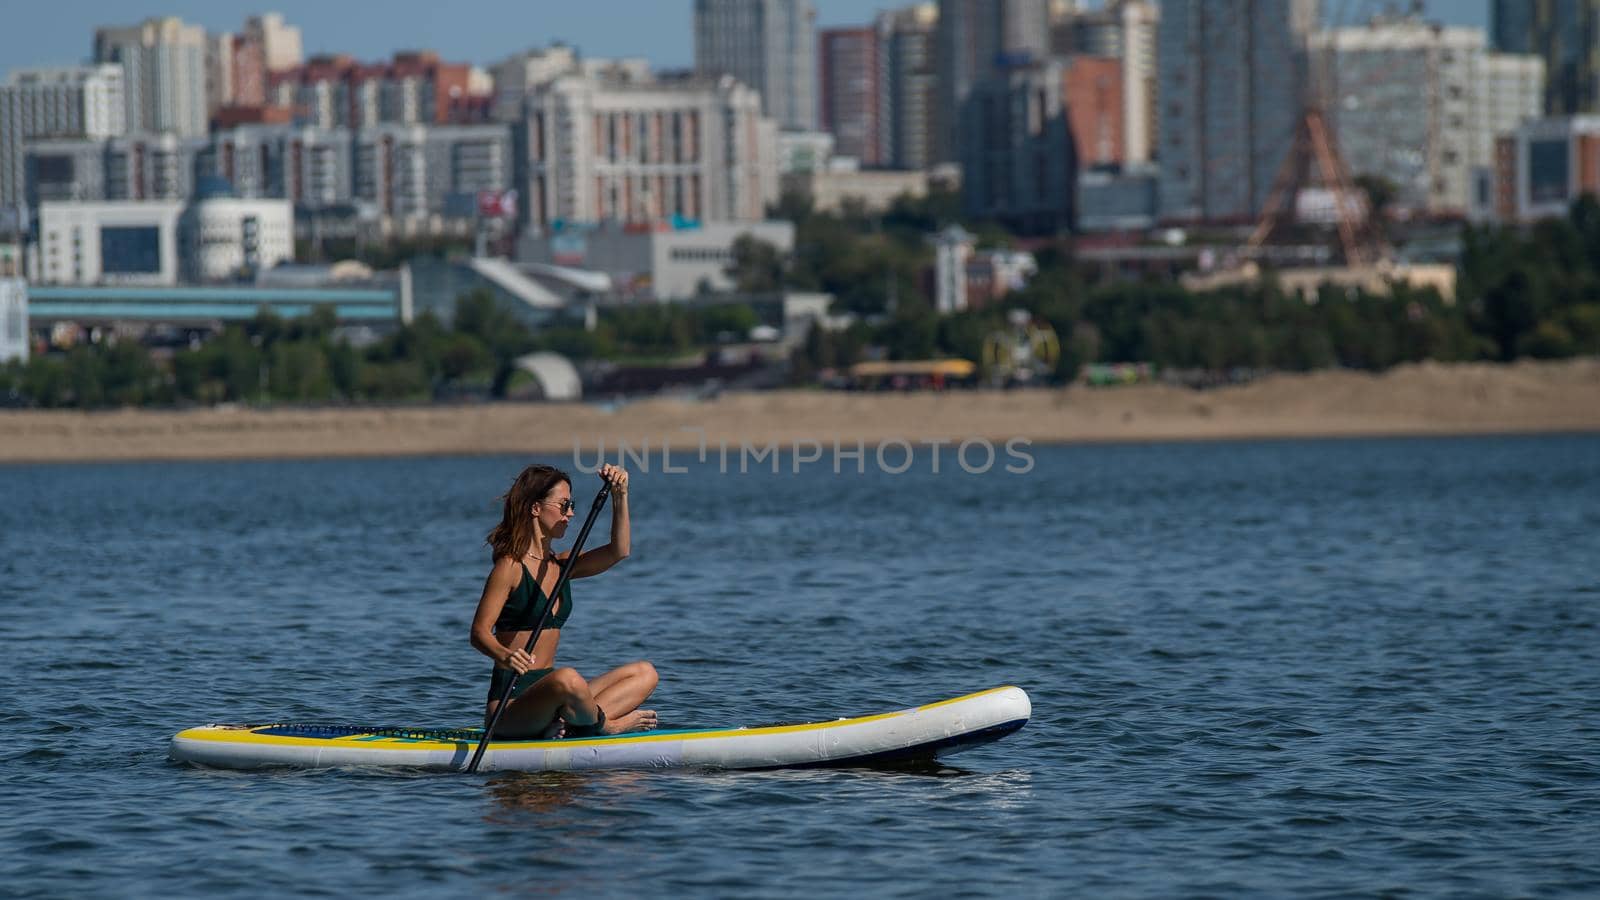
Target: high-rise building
point(1093, 32)
point(76, 102)
point(1232, 95)
point(978, 39)
point(769, 45)
point(13, 311)
point(413, 171)
point(238, 65)
point(414, 88)
point(1019, 163)
point(1546, 165)
point(248, 72)
point(852, 75)
point(1420, 105)
point(400, 172)
point(908, 126)
point(1092, 90)
point(131, 167)
point(151, 167)
point(1566, 34)
point(1139, 20)
point(516, 76)
point(1126, 30)
point(312, 167)
point(164, 74)
point(220, 90)
point(520, 73)
point(65, 169)
point(279, 43)
point(600, 149)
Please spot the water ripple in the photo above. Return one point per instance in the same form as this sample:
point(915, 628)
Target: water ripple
point(1336, 669)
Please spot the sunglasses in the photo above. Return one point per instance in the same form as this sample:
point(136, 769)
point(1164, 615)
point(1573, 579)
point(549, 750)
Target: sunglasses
point(565, 506)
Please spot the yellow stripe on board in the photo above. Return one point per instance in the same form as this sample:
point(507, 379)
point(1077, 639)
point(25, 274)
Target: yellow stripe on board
point(242, 736)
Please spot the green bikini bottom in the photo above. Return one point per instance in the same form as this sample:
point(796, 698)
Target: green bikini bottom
point(497, 681)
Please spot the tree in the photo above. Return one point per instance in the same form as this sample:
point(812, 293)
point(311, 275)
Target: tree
point(758, 267)
point(463, 354)
point(1381, 193)
point(1511, 309)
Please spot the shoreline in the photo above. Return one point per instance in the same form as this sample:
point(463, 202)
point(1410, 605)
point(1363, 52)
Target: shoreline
point(1416, 400)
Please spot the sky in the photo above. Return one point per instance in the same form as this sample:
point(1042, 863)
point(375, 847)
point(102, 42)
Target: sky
point(61, 32)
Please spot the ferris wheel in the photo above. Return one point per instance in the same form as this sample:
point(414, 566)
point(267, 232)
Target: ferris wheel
point(1024, 351)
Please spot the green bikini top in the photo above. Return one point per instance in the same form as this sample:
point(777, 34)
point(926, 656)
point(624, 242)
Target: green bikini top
point(527, 602)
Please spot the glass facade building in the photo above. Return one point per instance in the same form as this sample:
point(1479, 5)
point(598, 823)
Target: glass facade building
point(1566, 33)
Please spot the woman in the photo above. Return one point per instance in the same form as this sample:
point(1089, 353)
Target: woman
point(547, 701)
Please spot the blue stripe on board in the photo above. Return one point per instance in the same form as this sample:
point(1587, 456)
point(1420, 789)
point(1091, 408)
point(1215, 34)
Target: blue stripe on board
point(377, 733)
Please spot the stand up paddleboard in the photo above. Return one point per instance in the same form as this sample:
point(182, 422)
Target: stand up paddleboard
point(922, 732)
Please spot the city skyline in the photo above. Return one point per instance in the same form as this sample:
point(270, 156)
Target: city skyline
point(661, 32)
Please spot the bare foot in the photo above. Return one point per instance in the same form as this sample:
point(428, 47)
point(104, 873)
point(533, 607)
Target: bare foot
point(638, 720)
point(556, 729)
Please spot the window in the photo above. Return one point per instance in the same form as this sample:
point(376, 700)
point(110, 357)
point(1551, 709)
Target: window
point(130, 249)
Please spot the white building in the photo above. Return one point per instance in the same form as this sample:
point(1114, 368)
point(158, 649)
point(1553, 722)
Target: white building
point(1512, 95)
point(164, 74)
point(1139, 20)
point(657, 262)
point(313, 167)
point(521, 73)
point(11, 255)
point(1546, 165)
point(770, 45)
point(1421, 104)
point(601, 149)
point(129, 242)
point(220, 63)
point(406, 179)
point(222, 238)
point(280, 44)
point(76, 101)
point(952, 252)
point(162, 242)
point(417, 171)
point(804, 151)
point(132, 167)
point(874, 190)
point(13, 320)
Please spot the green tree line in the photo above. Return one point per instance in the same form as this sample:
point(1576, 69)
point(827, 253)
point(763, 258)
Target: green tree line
point(1522, 292)
point(304, 360)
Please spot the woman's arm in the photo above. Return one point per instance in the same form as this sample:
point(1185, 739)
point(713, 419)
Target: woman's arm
point(602, 558)
point(496, 589)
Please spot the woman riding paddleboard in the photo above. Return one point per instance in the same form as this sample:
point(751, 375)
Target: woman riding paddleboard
point(547, 701)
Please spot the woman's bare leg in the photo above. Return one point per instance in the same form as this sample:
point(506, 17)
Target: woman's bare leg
point(561, 694)
point(620, 692)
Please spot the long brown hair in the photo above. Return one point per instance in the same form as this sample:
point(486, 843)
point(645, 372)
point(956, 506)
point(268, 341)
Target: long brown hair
point(514, 535)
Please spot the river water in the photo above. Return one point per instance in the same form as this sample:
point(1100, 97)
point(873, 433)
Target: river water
point(1325, 668)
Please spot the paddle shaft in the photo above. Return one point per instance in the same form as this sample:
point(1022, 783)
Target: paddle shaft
point(554, 595)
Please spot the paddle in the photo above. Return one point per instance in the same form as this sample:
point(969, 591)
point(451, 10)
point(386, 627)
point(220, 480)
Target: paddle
point(566, 571)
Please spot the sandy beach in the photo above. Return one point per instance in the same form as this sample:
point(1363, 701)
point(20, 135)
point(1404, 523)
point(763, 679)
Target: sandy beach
point(1421, 399)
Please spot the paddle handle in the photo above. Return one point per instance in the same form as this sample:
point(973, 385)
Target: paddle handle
point(533, 638)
